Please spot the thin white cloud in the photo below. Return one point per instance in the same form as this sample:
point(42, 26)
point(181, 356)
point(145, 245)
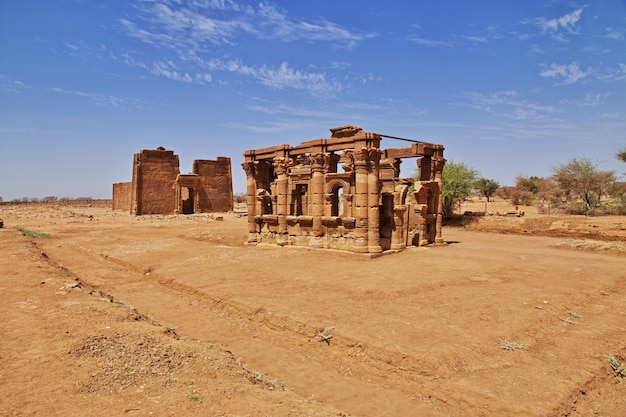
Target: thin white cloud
point(191, 24)
point(612, 33)
point(557, 26)
point(590, 100)
point(479, 39)
point(428, 42)
point(12, 86)
point(476, 39)
point(567, 21)
point(197, 33)
point(132, 61)
point(281, 77)
point(282, 109)
point(505, 104)
point(279, 125)
point(613, 74)
point(103, 99)
point(156, 39)
point(621, 72)
point(194, 23)
point(285, 76)
point(567, 73)
point(168, 70)
point(275, 23)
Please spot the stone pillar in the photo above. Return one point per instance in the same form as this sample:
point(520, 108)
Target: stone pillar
point(373, 201)
point(438, 164)
point(281, 167)
point(424, 168)
point(398, 236)
point(318, 166)
point(249, 168)
point(361, 200)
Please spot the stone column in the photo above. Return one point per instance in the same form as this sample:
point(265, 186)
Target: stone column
point(373, 201)
point(398, 236)
point(361, 199)
point(281, 167)
point(424, 168)
point(249, 168)
point(318, 166)
point(438, 164)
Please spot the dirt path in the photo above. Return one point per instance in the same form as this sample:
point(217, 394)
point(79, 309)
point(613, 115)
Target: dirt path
point(416, 333)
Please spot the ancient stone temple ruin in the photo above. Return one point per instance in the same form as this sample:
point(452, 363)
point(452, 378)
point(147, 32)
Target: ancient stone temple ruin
point(345, 193)
point(158, 187)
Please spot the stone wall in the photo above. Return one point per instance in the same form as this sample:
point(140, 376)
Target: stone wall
point(121, 196)
point(216, 185)
point(154, 180)
point(157, 186)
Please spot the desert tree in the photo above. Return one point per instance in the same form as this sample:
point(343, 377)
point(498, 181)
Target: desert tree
point(527, 189)
point(239, 197)
point(459, 182)
point(528, 184)
point(580, 179)
point(621, 155)
point(486, 187)
point(548, 190)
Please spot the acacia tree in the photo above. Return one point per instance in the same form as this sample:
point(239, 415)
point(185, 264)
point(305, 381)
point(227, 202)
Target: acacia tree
point(621, 155)
point(459, 182)
point(487, 187)
point(547, 190)
point(581, 179)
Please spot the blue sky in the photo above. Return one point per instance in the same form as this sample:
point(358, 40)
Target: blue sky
point(508, 87)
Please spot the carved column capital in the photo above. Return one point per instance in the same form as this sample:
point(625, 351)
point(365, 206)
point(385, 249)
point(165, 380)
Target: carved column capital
point(249, 167)
point(319, 161)
point(436, 167)
point(348, 160)
point(367, 156)
point(374, 154)
point(282, 165)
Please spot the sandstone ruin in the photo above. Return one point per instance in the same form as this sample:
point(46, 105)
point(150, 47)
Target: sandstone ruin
point(344, 193)
point(158, 187)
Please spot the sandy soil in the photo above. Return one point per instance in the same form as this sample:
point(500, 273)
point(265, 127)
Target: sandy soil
point(115, 315)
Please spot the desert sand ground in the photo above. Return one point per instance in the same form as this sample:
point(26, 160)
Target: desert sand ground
point(116, 315)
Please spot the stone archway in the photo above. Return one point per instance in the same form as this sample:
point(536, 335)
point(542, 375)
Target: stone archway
point(336, 189)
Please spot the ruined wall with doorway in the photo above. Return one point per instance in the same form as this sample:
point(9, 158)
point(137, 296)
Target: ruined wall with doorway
point(157, 186)
point(344, 193)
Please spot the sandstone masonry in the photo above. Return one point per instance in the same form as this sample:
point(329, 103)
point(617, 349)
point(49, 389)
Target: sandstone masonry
point(344, 193)
point(158, 187)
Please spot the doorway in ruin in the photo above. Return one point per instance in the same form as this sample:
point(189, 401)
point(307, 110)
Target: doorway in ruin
point(267, 202)
point(186, 196)
point(300, 200)
point(387, 224)
point(336, 203)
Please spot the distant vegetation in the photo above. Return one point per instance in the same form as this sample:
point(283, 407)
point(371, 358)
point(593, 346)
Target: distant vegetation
point(239, 198)
point(49, 199)
point(576, 187)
